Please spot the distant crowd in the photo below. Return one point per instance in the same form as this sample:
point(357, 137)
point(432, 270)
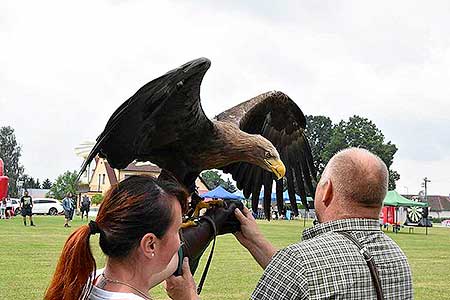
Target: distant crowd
point(8, 209)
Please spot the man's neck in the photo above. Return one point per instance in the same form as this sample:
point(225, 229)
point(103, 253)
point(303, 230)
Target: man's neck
point(355, 213)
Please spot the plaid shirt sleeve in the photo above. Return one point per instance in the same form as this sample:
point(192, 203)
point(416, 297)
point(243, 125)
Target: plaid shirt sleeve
point(283, 278)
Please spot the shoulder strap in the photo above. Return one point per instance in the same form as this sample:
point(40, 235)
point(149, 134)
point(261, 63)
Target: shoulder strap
point(208, 262)
point(370, 263)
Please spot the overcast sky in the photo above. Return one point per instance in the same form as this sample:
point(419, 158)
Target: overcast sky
point(66, 66)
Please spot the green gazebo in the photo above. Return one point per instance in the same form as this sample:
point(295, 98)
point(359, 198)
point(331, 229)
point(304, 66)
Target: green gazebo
point(395, 199)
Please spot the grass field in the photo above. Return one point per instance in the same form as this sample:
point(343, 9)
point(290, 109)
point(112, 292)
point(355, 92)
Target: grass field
point(29, 255)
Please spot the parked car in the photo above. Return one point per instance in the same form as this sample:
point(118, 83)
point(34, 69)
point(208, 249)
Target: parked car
point(445, 223)
point(47, 206)
point(15, 203)
point(93, 211)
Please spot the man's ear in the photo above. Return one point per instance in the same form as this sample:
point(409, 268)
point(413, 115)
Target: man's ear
point(327, 195)
point(148, 245)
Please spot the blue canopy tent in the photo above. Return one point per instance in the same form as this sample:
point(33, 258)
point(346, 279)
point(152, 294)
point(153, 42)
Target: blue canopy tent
point(274, 196)
point(274, 199)
point(240, 194)
point(220, 193)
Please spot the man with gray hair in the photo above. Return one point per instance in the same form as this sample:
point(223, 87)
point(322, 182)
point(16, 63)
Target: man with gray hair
point(345, 255)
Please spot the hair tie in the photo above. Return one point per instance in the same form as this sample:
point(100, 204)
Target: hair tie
point(93, 227)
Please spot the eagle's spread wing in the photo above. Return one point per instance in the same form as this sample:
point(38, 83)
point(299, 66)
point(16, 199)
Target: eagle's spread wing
point(164, 123)
point(160, 123)
point(277, 118)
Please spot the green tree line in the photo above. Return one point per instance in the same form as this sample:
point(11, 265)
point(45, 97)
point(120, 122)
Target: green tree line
point(326, 139)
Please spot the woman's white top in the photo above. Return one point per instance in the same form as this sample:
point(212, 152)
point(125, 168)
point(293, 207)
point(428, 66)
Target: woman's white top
point(99, 294)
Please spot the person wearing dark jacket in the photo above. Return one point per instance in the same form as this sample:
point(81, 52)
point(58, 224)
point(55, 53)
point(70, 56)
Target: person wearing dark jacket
point(69, 208)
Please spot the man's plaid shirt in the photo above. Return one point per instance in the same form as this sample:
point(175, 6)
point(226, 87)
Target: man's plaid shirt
point(327, 265)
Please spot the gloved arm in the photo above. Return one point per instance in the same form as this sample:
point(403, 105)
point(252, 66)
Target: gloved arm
point(196, 239)
point(224, 217)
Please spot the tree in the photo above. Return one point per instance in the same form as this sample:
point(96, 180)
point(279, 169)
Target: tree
point(97, 199)
point(213, 179)
point(47, 184)
point(319, 131)
point(229, 186)
point(10, 152)
point(64, 184)
point(393, 177)
point(363, 133)
point(29, 182)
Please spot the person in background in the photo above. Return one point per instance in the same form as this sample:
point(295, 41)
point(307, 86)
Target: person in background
point(26, 208)
point(69, 208)
point(327, 263)
point(3, 208)
point(85, 206)
point(138, 223)
point(9, 209)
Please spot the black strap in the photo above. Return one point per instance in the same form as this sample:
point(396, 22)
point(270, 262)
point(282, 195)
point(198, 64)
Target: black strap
point(370, 263)
point(205, 271)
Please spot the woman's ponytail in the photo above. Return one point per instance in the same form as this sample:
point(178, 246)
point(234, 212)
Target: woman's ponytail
point(73, 275)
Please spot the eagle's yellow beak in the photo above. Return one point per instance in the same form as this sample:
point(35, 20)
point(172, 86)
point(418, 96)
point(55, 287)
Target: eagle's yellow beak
point(276, 166)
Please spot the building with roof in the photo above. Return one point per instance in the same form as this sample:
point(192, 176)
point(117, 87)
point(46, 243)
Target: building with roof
point(99, 175)
point(439, 206)
point(102, 176)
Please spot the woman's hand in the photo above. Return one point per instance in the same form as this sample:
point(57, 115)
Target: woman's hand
point(182, 287)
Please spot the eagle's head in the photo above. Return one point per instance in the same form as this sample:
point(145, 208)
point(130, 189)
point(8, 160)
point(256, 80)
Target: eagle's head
point(267, 157)
point(234, 145)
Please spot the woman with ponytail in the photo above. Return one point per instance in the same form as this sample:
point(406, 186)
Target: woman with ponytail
point(138, 223)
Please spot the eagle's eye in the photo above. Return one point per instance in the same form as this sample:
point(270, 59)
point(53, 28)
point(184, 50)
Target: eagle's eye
point(267, 155)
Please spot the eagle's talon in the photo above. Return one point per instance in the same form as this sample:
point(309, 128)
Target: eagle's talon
point(206, 204)
point(189, 223)
point(217, 202)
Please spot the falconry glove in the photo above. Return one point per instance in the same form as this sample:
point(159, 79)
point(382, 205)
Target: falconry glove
point(215, 221)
